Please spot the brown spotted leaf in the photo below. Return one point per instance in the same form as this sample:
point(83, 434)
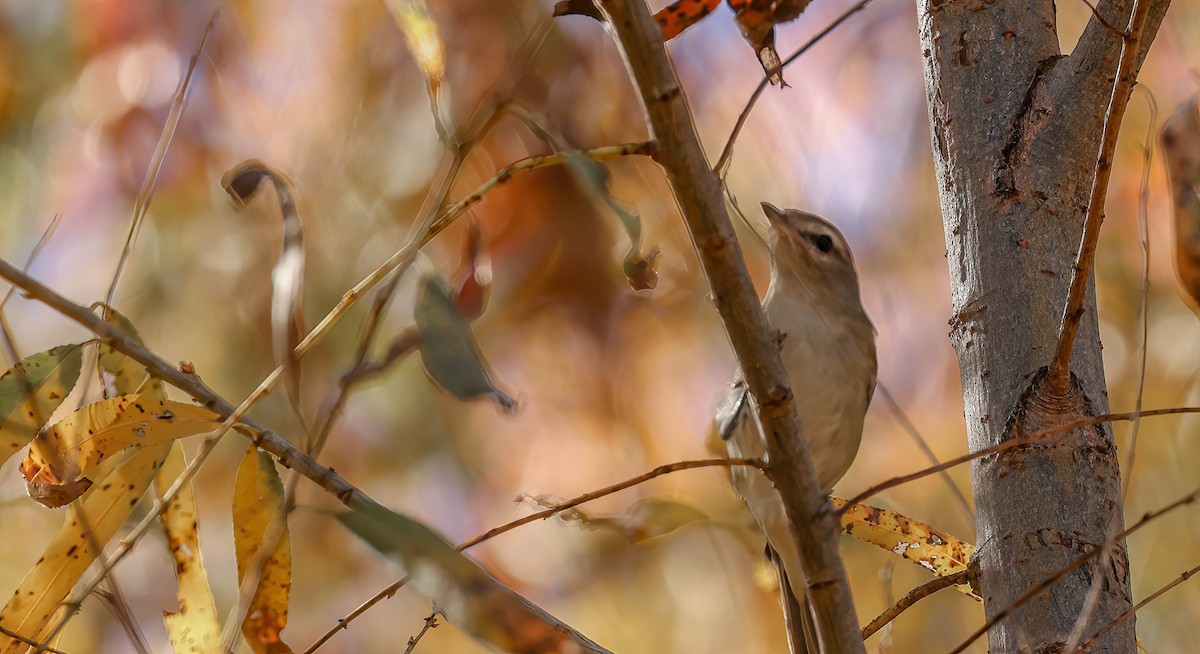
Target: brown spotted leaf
point(916, 541)
point(120, 374)
point(91, 523)
point(461, 589)
point(30, 392)
point(195, 628)
point(757, 20)
point(67, 453)
point(258, 506)
point(680, 15)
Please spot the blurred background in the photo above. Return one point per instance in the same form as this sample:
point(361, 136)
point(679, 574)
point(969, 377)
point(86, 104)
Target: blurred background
point(611, 382)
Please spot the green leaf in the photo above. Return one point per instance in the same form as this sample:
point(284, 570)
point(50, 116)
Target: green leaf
point(467, 594)
point(30, 392)
point(641, 270)
point(448, 348)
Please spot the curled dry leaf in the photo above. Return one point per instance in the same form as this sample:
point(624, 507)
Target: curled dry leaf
point(1181, 149)
point(641, 270)
point(66, 455)
point(241, 183)
point(448, 348)
point(916, 541)
point(462, 590)
point(258, 502)
point(30, 392)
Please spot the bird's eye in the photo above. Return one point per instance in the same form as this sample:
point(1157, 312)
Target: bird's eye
point(823, 243)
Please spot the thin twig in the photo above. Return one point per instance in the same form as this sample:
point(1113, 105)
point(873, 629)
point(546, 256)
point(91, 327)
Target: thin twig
point(1092, 600)
point(1081, 272)
point(915, 595)
point(146, 193)
point(430, 623)
point(1041, 587)
point(1108, 27)
point(1008, 445)
point(912, 431)
point(31, 642)
point(727, 151)
point(344, 622)
point(1187, 574)
point(608, 490)
point(697, 191)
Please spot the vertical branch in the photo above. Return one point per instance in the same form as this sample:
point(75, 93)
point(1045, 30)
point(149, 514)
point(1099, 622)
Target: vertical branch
point(698, 193)
point(1081, 272)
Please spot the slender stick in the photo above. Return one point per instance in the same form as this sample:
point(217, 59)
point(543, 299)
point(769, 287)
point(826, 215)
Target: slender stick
point(915, 595)
point(1081, 274)
point(698, 192)
point(1187, 574)
point(727, 151)
point(1008, 445)
point(1046, 583)
point(344, 622)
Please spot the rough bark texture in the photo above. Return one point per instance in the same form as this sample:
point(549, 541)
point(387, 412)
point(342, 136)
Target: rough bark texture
point(1016, 127)
point(698, 192)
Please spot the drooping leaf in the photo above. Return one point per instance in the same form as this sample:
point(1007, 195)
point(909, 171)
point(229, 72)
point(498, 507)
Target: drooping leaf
point(1181, 149)
point(916, 541)
point(66, 454)
point(448, 347)
point(91, 523)
point(641, 270)
point(258, 503)
point(30, 392)
point(195, 628)
point(467, 594)
point(242, 183)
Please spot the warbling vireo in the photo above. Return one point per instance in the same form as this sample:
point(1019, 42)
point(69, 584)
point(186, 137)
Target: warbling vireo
point(828, 348)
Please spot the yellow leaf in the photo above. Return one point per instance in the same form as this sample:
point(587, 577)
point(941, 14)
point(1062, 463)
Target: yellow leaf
point(120, 374)
point(921, 543)
point(258, 505)
point(30, 392)
point(195, 627)
point(70, 450)
point(91, 523)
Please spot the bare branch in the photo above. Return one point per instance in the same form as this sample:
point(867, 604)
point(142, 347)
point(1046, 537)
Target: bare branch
point(1187, 574)
point(698, 192)
point(1040, 588)
point(344, 622)
point(915, 595)
point(1081, 274)
point(1009, 444)
point(727, 151)
point(430, 623)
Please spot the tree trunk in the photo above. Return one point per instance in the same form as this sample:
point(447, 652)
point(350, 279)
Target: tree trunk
point(1016, 127)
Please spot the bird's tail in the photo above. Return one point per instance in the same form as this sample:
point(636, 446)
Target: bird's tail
point(797, 614)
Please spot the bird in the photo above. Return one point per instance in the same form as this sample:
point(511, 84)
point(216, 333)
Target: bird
point(827, 344)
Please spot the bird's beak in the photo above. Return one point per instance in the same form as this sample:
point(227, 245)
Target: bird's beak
point(774, 214)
